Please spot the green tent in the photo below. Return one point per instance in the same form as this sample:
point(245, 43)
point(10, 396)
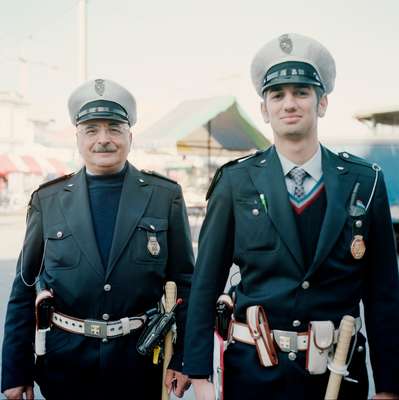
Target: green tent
point(216, 126)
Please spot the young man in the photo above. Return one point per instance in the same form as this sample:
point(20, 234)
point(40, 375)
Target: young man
point(102, 242)
point(311, 232)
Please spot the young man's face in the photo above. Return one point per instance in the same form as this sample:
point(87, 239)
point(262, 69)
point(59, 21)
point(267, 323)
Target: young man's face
point(292, 110)
point(104, 145)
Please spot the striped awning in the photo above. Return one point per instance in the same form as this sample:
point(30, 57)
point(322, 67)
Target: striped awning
point(6, 165)
point(35, 165)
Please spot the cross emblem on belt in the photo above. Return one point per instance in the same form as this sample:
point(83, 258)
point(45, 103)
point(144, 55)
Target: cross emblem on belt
point(95, 330)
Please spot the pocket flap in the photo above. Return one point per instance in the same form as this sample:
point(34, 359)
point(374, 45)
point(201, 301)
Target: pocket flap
point(323, 334)
point(57, 232)
point(153, 224)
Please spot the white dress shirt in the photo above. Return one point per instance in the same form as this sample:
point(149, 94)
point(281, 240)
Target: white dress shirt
point(312, 167)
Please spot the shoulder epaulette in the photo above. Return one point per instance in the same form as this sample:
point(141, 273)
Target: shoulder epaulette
point(219, 171)
point(153, 173)
point(59, 179)
point(344, 155)
point(49, 183)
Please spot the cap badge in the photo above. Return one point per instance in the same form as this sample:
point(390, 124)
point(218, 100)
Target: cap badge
point(285, 43)
point(99, 86)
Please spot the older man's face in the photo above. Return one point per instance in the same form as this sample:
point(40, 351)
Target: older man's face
point(104, 145)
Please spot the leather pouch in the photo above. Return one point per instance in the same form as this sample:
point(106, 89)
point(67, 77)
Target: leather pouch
point(320, 344)
point(260, 332)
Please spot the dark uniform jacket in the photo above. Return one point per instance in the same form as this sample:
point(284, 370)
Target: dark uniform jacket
point(59, 226)
point(266, 247)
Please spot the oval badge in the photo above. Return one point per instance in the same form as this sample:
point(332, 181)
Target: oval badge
point(358, 247)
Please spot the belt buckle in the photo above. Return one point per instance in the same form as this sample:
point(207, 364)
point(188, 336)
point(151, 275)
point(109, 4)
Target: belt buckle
point(94, 328)
point(287, 341)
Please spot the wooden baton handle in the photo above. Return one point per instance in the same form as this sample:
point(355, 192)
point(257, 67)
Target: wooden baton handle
point(345, 335)
point(170, 301)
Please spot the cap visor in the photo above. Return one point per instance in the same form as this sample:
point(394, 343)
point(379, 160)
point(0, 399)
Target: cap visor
point(102, 115)
point(291, 80)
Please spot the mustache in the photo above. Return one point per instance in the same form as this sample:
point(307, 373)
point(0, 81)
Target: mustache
point(104, 149)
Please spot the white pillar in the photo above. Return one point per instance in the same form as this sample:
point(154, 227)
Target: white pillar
point(82, 40)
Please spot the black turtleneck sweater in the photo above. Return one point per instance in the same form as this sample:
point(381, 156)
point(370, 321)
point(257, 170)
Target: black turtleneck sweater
point(104, 195)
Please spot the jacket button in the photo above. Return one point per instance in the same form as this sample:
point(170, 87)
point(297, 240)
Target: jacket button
point(255, 212)
point(292, 356)
point(360, 349)
point(107, 287)
point(105, 317)
point(296, 323)
point(305, 285)
point(59, 234)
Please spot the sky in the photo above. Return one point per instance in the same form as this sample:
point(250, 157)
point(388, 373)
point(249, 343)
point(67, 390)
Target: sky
point(167, 52)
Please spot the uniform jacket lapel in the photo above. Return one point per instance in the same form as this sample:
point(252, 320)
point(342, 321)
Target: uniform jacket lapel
point(76, 209)
point(338, 184)
point(267, 176)
point(134, 199)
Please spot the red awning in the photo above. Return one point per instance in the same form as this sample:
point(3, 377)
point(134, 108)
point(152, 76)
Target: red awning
point(6, 165)
point(33, 165)
point(60, 167)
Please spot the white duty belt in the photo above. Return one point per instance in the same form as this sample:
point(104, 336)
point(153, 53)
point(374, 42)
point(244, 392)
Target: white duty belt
point(98, 329)
point(287, 341)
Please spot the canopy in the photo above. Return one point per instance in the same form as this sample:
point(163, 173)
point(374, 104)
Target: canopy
point(28, 164)
point(6, 165)
point(214, 126)
point(385, 116)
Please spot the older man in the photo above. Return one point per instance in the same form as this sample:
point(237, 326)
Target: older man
point(101, 243)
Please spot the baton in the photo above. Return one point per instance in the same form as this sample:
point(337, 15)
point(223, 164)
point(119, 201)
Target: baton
point(170, 301)
point(338, 367)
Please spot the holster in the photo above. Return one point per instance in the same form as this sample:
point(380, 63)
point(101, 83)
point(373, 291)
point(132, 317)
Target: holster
point(224, 312)
point(260, 332)
point(43, 310)
point(155, 332)
point(320, 345)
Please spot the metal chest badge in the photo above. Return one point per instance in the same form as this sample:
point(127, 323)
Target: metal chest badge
point(153, 245)
point(357, 210)
point(358, 247)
